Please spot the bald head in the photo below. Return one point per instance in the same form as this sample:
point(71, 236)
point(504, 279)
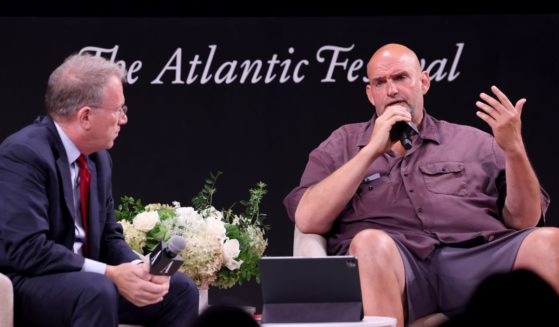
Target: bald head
point(392, 53)
point(395, 78)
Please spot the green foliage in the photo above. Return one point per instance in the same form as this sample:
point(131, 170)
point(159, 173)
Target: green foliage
point(166, 212)
point(128, 208)
point(252, 206)
point(204, 198)
point(157, 234)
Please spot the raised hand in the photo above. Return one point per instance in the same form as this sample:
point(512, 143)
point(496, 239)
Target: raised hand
point(504, 119)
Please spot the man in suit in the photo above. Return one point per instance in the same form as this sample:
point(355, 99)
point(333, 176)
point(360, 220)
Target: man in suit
point(59, 239)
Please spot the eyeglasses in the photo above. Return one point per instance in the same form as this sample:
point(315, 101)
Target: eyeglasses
point(120, 112)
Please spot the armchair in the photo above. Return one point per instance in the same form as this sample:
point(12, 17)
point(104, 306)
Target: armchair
point(314, 245)
point(6, 302)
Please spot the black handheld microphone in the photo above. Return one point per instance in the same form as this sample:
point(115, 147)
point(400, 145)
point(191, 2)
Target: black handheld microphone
point(403, 131)
point(164, 260)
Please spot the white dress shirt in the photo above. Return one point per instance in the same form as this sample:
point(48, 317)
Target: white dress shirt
point(73, 153)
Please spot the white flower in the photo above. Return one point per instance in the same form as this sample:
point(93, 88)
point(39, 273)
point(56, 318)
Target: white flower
point(257, 241)
point(186, 215)
point(231, 251)
point(203, 256)
point(216, 228)
point(135, 238)
point(145, 221)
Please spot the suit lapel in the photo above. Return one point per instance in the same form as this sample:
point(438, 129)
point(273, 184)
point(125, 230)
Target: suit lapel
point(63, 167)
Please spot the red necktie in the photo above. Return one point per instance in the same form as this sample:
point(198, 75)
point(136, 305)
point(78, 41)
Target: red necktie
point(85, 179)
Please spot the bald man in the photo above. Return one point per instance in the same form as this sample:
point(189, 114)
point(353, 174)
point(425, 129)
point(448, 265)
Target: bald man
point(427, 223)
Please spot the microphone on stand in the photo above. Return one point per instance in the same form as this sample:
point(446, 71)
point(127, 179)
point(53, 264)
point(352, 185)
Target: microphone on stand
point(164, 260)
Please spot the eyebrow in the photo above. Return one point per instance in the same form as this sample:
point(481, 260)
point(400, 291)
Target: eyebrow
point(399, 73)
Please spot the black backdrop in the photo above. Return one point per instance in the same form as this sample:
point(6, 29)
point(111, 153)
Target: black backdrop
point(262, 127)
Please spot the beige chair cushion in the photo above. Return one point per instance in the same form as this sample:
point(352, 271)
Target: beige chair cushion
point(6, 302)
point(308, 245)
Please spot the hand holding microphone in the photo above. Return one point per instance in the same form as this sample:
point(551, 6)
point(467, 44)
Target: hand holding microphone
point(403, 131)
point(164, 260)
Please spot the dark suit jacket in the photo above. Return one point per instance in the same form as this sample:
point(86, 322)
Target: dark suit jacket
point(37, 208)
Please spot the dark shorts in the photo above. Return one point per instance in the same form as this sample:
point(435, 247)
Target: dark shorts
point(445, 281)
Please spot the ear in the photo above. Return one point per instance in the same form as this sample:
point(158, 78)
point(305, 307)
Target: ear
point(84, 116)
point(425, 82)
point(369, 92)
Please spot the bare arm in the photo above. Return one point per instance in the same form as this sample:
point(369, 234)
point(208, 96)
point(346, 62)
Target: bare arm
point(522, 204)
point(323, 202)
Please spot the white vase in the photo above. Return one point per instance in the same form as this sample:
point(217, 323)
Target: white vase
point(203, 299)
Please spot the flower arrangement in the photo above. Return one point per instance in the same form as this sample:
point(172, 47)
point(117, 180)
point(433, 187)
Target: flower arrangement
point(223, 248)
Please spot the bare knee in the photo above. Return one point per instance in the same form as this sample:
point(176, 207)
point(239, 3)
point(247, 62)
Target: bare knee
point(543, 240)
point(548, 235)
point(373, 243)
point(539, 252)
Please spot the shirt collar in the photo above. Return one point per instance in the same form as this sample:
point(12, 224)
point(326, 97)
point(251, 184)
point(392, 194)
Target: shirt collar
point(71, 149)
point(429, 130)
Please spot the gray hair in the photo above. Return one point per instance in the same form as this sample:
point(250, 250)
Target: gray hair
point(79, 81)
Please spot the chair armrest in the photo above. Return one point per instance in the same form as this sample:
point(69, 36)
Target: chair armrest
point(308, 245)
point(6, 302)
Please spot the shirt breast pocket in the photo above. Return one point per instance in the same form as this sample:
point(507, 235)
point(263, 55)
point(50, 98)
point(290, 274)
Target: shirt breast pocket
point(447, 177)
point(372, 195)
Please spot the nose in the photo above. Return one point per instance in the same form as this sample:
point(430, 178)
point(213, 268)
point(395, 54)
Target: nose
point(123, 119)
point(391, 89)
